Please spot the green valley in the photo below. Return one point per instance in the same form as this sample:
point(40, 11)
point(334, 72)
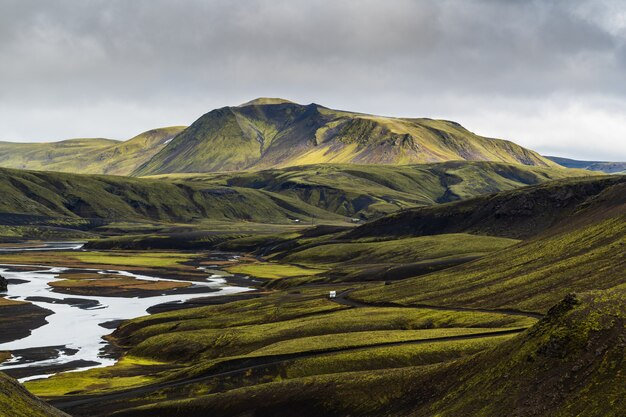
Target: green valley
point(379, 233)
point(389, 267)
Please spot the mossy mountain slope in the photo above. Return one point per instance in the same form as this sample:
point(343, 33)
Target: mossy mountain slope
point(519, 214)
point(324, 193)
point(15, 401)
point(273, 133)
point(87, 156)
point(586, 251)
point(110, 198)
point(369, 191)
point(571, 363)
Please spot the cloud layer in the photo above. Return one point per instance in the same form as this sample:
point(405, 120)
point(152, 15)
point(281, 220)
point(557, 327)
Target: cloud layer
point(546, 74)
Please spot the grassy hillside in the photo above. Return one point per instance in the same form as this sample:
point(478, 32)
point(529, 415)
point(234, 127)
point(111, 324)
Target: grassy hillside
point(569, 364)
point(585, 253)
point(74, 197)
point(38, 156)
point(326, 194)
point(15, 401)
point(87, 156)
point(518, 213)
point(367, 191)
point(202, 357)
point(269, 133)
point(332, 259)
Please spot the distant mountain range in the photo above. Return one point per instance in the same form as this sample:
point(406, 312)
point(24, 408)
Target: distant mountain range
point(270, 133)
point(607, 167)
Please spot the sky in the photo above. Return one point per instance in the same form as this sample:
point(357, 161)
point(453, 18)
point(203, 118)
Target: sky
point(549, 75)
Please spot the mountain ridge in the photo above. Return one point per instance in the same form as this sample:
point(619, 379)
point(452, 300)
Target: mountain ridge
point(268, 133)
point(281, 134)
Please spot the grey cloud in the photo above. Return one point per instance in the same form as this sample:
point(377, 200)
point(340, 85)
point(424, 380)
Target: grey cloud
point(167, 57)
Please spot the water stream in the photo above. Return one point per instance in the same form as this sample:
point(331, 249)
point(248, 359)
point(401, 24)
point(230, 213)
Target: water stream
point(74, 332)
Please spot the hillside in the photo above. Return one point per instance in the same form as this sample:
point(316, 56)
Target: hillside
point(30, 196)
point(520, 213)
point(606, 167)
point(87, 156)
point(569, 364)
point(270, 133)
point(15, 401)
point(322, 193)
point(368, 191)
point(581, 252)
point(274, 133)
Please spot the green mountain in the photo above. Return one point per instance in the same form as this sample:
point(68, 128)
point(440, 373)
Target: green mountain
point(606, 167)
point(270, 133)
point(274, 133)
point(369, 191)
point(30, 196)
point(87, 156)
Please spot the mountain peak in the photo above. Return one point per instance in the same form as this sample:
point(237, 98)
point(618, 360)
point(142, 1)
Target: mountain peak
point(266, 100)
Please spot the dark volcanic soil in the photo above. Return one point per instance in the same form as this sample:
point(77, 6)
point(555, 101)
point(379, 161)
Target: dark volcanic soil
point(202, 302)
point(17, 321)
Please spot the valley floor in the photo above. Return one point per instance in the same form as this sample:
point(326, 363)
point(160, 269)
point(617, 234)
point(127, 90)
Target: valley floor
point(517, 311)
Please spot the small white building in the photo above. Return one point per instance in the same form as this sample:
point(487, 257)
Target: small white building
point(332, 294)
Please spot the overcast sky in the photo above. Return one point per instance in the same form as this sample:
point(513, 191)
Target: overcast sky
point(549, 75)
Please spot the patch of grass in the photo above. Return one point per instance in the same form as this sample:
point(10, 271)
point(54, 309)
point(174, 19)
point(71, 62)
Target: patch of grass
point(399, 250)
point(270, 270)
point(361, 393)
point(126, 373)
point(272, 308)
point(354, 339)
point(7, 302)
point(122, 258)
point(155, 260)
point(15, 401)
point(390, 357)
